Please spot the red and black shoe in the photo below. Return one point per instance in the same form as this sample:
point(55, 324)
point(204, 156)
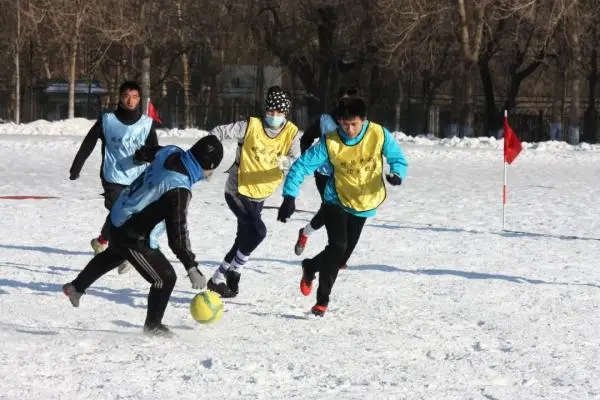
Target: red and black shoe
point(305, 286)
point(318, 310)
point(306, 281)
point(301, 242)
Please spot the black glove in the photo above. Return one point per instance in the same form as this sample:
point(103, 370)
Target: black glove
point(138, 157)
point(286, 209)
point(73, 176)
point(393, 179)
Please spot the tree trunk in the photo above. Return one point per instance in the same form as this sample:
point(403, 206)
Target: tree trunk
point(490, 120)
point(453, 129)
point(558, 98)
point(72, 77)
point(590, 129)
point(467, 115)
point(44, 55)
point(17, 84)
point(164, 89)
point(187, 116)
point(146, 59)
point(575, 106)
point(325, 31)
point(374, 93)
point(117, 82)
point(260, 85)
point(17, 66)
point(427, 128)
point(398, 111)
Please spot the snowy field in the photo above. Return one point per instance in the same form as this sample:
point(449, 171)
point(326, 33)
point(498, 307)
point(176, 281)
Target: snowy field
point(438, 302)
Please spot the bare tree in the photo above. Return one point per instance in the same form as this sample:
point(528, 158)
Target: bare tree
point(317, 40)
point(17, 28)
point(18, 43)
point(419, 37)
point(70, 20)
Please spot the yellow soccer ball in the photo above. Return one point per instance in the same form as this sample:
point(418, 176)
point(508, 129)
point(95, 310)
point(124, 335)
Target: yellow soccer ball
point(206, 307)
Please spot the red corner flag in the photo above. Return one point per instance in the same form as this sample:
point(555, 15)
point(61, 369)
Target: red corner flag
point(152, 113)
point(512, 148)
point(512, 144)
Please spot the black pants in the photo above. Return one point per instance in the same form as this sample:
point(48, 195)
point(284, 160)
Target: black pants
point(151, 264)
point(318, 220)
point(343, 232)
point(251, 229)
point(111, 194)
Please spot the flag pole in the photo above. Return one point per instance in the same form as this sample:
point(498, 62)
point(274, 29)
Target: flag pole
point(504, 198)
point(504, 183)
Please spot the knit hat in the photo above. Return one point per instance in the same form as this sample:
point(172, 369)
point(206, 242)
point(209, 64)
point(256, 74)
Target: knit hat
point(208, 151)
point(278, 99)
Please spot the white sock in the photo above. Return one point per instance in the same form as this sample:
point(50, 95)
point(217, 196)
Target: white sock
point(239, 260)
point(307, 230)
point(219, 275)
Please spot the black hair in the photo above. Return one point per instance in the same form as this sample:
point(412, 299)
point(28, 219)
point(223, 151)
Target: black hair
point(347, 91)
point(350, 107)
point(130, 85)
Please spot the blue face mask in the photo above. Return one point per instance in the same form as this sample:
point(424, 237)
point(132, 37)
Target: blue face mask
point(274, 121)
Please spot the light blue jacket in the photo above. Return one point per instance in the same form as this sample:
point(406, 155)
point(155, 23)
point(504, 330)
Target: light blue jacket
point(120, 143)
point(317, 156)
point(152, 185)
point(326, 124)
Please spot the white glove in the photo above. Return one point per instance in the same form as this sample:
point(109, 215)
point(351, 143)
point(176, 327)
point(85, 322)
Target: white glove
point(284, 162)
point(198, 280)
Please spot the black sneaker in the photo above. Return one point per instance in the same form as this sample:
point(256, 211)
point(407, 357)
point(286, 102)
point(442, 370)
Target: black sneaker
point(221, 288)
point(232, 278)
point(158, 330)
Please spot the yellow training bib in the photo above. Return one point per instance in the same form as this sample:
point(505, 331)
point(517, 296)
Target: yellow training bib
point(358, 169)
point(258, 173)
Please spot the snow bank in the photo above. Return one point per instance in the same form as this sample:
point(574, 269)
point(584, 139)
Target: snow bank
point(80, 126)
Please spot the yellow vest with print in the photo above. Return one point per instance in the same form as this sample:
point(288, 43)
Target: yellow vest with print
point(258, 172)
point(358, 169)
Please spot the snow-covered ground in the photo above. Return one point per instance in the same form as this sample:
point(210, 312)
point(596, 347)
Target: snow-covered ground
point(438, 302)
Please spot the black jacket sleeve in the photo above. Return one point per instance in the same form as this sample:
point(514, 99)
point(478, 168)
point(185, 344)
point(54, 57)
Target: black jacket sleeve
point(146, 154)
point(176, 223)
point(152, 139)
point(86, 148)
point(311, 133)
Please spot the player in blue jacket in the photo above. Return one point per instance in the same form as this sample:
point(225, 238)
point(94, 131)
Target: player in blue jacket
point(326, 123)
point(355, 152)
point(160, 195)
point(121, 132)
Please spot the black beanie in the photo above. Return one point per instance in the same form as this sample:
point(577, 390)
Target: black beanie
point(208, 151)
point(278, 99)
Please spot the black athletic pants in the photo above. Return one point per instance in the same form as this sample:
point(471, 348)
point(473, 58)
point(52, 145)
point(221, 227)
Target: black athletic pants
point(251, 229)
point(111, 194)
point(318, 220)
point(343, 232)
point(151, 264)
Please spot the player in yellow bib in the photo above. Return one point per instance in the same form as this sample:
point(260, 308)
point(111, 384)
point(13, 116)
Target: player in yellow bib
point(355, 152)
point(266, 147)
point(325, 124)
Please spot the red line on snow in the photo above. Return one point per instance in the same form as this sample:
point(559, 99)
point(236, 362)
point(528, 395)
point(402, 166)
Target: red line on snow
point(27, 197)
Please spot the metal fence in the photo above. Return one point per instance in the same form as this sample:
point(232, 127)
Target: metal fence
point(411, 118)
